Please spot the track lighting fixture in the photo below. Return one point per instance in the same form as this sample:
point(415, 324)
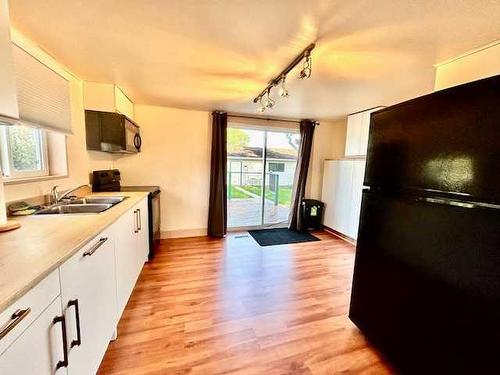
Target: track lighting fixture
point(261, 107)
point(269, 101)
point(264, 98)
point(306, 68)
point(283, 90)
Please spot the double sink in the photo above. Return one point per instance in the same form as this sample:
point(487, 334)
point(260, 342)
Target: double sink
point(81, 205)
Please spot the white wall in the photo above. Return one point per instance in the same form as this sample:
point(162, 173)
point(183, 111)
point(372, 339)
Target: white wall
point(480, 63)
point(176, 156)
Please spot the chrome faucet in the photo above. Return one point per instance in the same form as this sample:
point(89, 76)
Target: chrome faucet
point(56, 198)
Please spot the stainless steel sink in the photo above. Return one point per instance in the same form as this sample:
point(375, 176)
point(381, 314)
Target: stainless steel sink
point(97, 200)
point(87, 205)
point(75, 209)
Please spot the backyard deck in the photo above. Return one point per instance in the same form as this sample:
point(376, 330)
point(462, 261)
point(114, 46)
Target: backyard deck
point(246, 212)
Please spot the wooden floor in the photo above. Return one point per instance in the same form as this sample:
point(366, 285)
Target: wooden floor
point(209, 306)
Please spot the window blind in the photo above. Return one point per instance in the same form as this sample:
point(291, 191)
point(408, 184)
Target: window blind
point(263, 124)
point(42, 94)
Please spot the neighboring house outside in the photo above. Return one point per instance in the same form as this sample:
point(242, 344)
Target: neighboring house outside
point(245, 166)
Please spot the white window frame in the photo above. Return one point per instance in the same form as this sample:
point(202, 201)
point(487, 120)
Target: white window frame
point(7, 161)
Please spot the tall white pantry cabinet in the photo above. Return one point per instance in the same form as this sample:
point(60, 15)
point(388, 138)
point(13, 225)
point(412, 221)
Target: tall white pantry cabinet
point(343, 178)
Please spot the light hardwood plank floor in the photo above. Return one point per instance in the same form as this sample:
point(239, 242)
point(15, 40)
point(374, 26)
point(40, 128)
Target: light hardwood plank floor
point(228, 306)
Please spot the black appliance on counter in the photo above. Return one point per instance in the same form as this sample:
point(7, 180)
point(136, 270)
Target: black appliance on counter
point(111, 132)
point(426, 285)
point(109, 180)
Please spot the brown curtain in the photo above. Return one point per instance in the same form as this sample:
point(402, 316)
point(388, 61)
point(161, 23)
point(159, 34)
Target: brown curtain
point(217, 208)
point(300, 179)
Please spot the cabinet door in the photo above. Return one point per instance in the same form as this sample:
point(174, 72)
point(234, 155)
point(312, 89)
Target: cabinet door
point(8, 95)
point(143, 234)
point(338, 185)
point(357, 191)
point(354, 133)
point(344, 196)
point(123, 104)
point(328, 192)
point(365, 131)
point(128, 266)
point(39, 349)
point(88, 290)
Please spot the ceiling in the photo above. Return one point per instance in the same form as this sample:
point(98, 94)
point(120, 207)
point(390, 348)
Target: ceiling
point(220, 54)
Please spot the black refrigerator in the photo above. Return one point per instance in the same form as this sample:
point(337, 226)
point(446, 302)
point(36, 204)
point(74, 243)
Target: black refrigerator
point(426, 284)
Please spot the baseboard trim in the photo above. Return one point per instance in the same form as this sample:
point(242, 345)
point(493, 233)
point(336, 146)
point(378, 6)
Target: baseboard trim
point(342, 236)
point(181, 233)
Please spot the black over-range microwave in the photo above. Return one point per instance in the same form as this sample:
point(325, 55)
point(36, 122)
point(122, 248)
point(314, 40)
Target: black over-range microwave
point(111, 132)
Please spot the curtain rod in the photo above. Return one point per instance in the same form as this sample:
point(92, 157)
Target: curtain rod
point(266, 118)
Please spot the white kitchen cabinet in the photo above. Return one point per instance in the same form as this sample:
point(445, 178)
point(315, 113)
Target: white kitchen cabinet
point(40, 348)
point(26, 309)
point(143, 233)
point(108, 98)
point(130, 252)
point(86, 295)
point(342, 189)
point(337, 193)
point(358, 174)
point(365, 132)
point(88, 291)
point(8, 95)
point(358, 129)
point(354, 134)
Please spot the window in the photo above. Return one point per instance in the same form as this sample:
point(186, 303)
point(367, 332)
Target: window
point(276, 167)
point(23, 152)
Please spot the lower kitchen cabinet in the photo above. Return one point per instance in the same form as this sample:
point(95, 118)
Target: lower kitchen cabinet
point(64, 324)
point(88, 291)
point(40, 348)
point(143, 231)
point(131, 251)
point(342, 191)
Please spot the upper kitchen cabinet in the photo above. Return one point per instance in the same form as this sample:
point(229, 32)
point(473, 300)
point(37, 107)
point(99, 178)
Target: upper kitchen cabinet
point(358, 128)
point(107, 98)
point(9, 111)
point(353, 136)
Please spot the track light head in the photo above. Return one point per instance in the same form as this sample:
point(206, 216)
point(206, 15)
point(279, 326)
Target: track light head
point(306, 68)
point(269, 101)
point(283, 90)
point(261, 108)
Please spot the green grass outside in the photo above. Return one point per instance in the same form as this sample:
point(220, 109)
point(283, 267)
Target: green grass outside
point(284, 194)
point(238, 194)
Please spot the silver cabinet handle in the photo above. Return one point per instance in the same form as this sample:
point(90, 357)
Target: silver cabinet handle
point(15, 319)
point(136, 222)
point(140, 219)
point(94, 248)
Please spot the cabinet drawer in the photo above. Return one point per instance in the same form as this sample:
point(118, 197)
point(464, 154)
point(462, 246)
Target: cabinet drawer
point(103, 239)
point(28, 308)
point(39, 349)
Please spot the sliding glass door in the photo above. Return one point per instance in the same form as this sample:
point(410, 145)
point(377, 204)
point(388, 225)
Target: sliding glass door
point(281, 160)
point(261, 166)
